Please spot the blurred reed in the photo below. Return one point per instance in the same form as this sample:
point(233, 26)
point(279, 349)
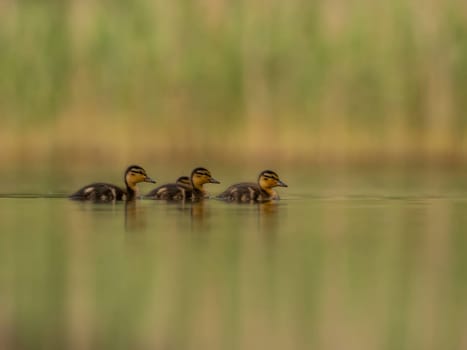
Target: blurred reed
point(101, 81)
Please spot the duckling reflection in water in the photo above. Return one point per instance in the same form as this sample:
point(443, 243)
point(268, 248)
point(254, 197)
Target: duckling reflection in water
point(261, 191)
point(105, 192)
point(185, 188)
point(135, 216)
point(268, 217)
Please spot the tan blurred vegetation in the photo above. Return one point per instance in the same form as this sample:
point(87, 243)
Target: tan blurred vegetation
point(86, 82)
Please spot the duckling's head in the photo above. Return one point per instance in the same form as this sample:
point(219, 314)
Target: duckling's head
point(269, 179)
point(183, 181)
point(135, 174)
point(201, 176)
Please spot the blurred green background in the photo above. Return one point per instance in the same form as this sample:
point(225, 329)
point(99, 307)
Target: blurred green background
point(117, 82)
point(364, 257)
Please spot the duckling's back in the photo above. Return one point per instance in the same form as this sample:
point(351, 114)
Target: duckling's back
point(99, 192)
point(243, 192)
point(171, 191)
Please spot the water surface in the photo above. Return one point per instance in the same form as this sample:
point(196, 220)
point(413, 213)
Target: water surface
point(363, 262)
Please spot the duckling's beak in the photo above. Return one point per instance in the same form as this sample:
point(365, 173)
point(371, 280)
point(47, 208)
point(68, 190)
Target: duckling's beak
point(281, 184)
point(148, 179)
point(213, 181)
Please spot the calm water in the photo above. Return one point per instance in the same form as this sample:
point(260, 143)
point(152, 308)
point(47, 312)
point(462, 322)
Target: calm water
point(354, 261)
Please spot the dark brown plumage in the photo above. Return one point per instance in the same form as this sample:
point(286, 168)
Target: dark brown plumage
point(105, 192)
point(185, 188)
point(260, 191)
point(180, 190)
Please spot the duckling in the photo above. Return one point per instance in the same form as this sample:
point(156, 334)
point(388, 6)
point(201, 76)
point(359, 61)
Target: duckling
point(185, 188)
point(254, 192)
point(179, 190)
point(199, 177)
point(184, 181)
point(104, 192)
